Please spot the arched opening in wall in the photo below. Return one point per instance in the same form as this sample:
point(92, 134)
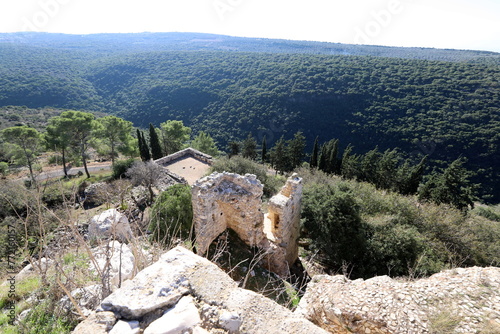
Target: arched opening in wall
point(276, 221)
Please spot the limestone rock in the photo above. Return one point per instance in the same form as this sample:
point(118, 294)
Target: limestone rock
point(91, 325)
point(88, 299)
point(182, 317)
point(119, 259)
point(227, 200)
point(126, 327)
point(471, 297)
point(94, 193)
point(108, 224)
point(190, 291)
point(230, 321)
point(282, 226)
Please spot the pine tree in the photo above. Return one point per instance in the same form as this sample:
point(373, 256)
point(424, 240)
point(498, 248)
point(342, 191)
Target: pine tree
point(452, 186)
point(409, 178)
point(279, 156)
point(156, 151)
point(313, 162)
point(250, 147)
point(263, 156)
point(323, 158)
point(349, 167)
point(296, 148)
point(234, 148)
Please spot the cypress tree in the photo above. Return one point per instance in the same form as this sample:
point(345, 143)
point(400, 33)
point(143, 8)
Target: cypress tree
point(333, 149)
point(140, 144)
point(264, 150)
point(313, 162)
point(323, 158)
point(155, 143)
point(147, 154)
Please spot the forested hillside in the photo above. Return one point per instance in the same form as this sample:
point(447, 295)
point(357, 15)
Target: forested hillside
point(444, 109)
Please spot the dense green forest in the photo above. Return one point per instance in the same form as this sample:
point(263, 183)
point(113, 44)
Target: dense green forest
point(445, 109)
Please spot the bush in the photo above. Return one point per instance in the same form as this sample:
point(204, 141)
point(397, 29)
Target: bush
point(4, 168)
point(120, 168)
point(488, 213)
point(172, 215)
point(331, 217)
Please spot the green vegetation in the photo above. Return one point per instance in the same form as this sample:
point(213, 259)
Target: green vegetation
point(204, 143)
point(26, 142)
point(384, 233)
point(114, 135)
point(172, 215)
point(444, 109)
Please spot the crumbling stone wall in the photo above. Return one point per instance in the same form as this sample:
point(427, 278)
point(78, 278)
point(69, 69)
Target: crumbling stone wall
point(282, 225)
point(226, 200)
point(187, 152)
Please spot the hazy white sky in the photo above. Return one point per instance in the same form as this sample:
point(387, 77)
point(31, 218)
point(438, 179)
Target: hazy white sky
point(457, 24)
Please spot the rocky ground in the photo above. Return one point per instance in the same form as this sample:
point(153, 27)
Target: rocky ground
point(453, 301)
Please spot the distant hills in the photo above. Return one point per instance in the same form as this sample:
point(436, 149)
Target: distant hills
point(443, 103)
point(145, 42)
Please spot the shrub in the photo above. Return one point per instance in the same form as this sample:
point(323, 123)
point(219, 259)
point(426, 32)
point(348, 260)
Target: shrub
point(4, 168)
point(331, 217)
point(120, 168)
point(172, 215)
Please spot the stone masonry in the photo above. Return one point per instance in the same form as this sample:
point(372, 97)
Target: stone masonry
point(226, 200)
point(282, 225)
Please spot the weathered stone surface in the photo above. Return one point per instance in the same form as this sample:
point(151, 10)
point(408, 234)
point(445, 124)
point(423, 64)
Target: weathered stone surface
point(179, 319)
point(469, 297)
point(87, 298)
point(126, 327)
point(108, 224)
point(282, 226)
point(230, 321)
point(95, 193)
point(91, 326)
point(160, 285)
point(226, 200)
point(106, 318)
point(117, 259)
point(182, 281)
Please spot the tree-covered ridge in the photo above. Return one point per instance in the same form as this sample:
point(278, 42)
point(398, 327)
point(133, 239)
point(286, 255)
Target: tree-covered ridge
point(441, 109)
point(108, 44)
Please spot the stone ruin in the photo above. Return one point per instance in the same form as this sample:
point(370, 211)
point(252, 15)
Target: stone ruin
point(226, 200)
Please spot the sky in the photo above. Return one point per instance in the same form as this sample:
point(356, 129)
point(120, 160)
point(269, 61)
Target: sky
point(452, 24)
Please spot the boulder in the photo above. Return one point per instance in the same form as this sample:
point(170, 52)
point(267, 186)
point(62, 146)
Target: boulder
point(110, 224)
point(126, 327)
point(119, 259)
point(177, 320)
point(183, 292)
